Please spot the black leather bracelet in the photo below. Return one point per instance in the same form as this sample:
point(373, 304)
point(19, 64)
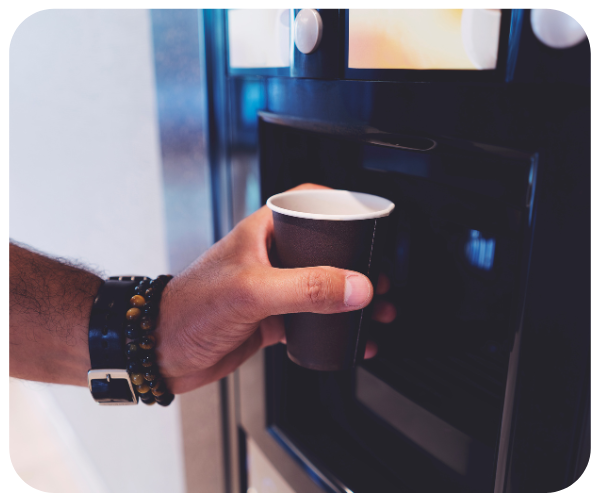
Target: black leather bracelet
point(108, 379)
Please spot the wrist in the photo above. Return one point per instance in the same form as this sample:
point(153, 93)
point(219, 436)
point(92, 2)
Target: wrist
point(50, 305)
point(167, 345)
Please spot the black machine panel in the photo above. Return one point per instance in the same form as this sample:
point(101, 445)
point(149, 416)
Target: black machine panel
point(454, 255)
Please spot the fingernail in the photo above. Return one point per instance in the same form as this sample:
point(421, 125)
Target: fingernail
point(357, 291)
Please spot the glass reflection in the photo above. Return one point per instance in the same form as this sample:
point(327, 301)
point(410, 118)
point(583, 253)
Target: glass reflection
point(480, 251)
point(248, 95)
point(252, 99)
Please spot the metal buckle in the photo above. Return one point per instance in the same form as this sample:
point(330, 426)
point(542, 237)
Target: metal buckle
point(109, 374)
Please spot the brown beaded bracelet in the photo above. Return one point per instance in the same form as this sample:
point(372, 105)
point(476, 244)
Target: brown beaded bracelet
point(141, 318)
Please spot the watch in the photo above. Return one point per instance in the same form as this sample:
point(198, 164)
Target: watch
point(108, 379)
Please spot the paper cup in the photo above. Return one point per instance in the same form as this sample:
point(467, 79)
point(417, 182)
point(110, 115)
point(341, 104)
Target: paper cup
point(336, 228)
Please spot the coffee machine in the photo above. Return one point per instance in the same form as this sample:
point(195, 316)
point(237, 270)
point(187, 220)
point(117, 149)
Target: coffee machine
point(482, 382)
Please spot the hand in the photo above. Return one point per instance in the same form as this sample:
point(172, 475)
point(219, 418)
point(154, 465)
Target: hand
point(228, 304)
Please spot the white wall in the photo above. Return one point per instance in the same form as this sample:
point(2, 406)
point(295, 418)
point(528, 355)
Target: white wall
point(85, 184)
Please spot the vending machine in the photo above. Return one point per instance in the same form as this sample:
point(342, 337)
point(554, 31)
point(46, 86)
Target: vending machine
point(476, 124)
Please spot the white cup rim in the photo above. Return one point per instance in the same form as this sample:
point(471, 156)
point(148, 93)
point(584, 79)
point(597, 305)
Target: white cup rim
point(381, 207)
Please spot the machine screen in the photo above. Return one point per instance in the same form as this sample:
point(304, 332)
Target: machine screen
point(424, 39)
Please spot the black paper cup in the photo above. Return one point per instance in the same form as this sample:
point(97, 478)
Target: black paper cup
point(336, 228)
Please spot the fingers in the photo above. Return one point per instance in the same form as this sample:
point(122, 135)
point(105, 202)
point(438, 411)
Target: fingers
point(309, 186)
point(272, 330)
point(256, 230)
point(383, 284)
point(370, 349)
point(263, 219)
point(258, 224)
point(320, 289)
point(383, 312)
point(232, 361)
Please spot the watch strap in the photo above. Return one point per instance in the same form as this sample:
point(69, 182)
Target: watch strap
point(107, 340)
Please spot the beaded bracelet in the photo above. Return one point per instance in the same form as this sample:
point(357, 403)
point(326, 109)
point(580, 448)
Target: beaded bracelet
point(141, 318)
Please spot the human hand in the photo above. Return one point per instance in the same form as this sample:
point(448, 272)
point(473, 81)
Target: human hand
point(229, 303)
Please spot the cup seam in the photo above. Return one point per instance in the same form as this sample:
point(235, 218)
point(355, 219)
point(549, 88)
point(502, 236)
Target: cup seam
point(363, 310)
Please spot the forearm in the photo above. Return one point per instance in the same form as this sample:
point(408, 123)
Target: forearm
point(50, 305)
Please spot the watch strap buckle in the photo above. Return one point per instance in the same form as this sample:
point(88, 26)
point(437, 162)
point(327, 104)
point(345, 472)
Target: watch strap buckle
point(111, 387)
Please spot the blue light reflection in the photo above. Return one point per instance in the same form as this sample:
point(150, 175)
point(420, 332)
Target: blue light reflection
point(252, 100)
point(480, 251)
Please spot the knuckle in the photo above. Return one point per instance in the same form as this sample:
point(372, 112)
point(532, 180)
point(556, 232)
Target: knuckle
point(316, 287)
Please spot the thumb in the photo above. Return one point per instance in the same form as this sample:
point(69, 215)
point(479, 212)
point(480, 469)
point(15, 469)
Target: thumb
point(321, 289)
